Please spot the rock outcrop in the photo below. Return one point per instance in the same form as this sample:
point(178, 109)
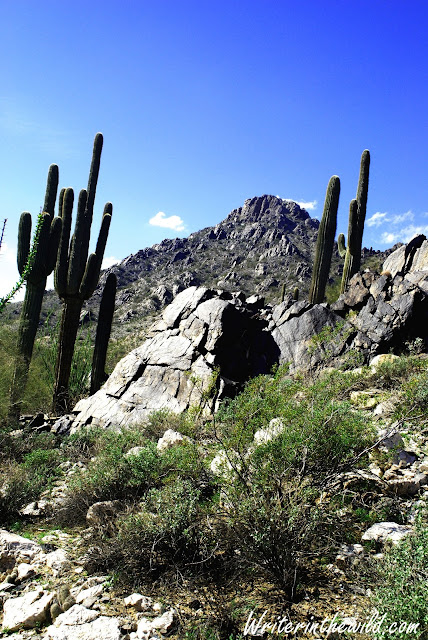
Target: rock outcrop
point(208, 343)
point(201, 332)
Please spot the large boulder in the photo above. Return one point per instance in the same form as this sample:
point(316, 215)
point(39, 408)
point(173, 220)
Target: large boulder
point(200, 332)
point(412, 256)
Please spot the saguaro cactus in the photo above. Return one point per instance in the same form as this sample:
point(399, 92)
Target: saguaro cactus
point(35, 271)
point(362, 192)
point(341, 245)
point(76, 275)
point(296, 293)
point(353, 249)
point(325, 242)
point(105, 318)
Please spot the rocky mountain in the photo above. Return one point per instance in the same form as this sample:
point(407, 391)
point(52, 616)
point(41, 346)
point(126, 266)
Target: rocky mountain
point(259, 247)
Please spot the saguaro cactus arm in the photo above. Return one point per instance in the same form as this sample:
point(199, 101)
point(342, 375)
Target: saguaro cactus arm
point(325, 242)
point(34, 266)
point(105, 319)
point(341, 245)
point(362, 193)
point(353, 246)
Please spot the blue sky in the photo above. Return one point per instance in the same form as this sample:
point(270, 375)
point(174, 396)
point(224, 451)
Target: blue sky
point(206, 103)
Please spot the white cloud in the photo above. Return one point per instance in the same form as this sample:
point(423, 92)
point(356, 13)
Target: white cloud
point(172, 222)
point(402, 217)
point(109, 261)
point(309, 206)
point(380, 218)
point(377, 219)
point(403, 235)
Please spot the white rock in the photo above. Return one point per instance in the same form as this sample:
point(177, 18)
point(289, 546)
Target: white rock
point(164, 622)
point(76, 615)
point(26, 611)
point(103, 628)
point(386, 531)
point(87, 597)
point(169, 439)
point(275, 428)
point(139, 602)
point(25, 570)
point(58, 561)
point(220, 465)
point(14, 548)
point(135, 451)
point(380, 359)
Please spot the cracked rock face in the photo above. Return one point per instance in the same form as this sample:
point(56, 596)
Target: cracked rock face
point(200, 331)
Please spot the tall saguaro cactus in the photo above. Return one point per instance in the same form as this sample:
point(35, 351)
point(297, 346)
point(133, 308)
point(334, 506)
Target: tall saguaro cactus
point(325, 242)
point(76, 275)
point(362, 192)
point(35, 271)
point(105, 319)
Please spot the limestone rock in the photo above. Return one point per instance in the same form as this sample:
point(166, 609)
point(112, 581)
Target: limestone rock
point(386, 531)
point(14, 548)
point(26, 611)
point(138, 602)
point(58, 561)
point(275, 428)
point(407, 258)
point(83, 624)
point(200, 331)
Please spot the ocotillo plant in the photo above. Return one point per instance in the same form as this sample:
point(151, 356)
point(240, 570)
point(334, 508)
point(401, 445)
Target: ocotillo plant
point(105, 318)
point(76, 275)
point(325, 242)
point(353, 248)
point(34, 266)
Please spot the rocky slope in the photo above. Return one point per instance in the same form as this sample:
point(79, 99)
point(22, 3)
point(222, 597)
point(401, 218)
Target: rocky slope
point(265, 244)
point(222, 340)
point(259, 247)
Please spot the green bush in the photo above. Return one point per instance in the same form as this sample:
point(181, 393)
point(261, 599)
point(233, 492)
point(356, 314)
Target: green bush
point(401, 584)
point(167, 529)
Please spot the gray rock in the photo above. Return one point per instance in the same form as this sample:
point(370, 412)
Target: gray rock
point(14, 548)
point(26, 611)
point(386, 532)
point(100, 513)
point(410, 257)
point(199, 332)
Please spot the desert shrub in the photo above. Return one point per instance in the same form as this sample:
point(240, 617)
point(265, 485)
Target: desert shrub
point(271, 499)
point(392, 374)
point(111, 475)
point(16, 490)
point(401, 582)
point(167, 530)
point(37, 396)
point(26, 475)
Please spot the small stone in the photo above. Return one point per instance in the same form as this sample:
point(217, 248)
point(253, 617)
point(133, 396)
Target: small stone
point(58, 562)
point(138, 602)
